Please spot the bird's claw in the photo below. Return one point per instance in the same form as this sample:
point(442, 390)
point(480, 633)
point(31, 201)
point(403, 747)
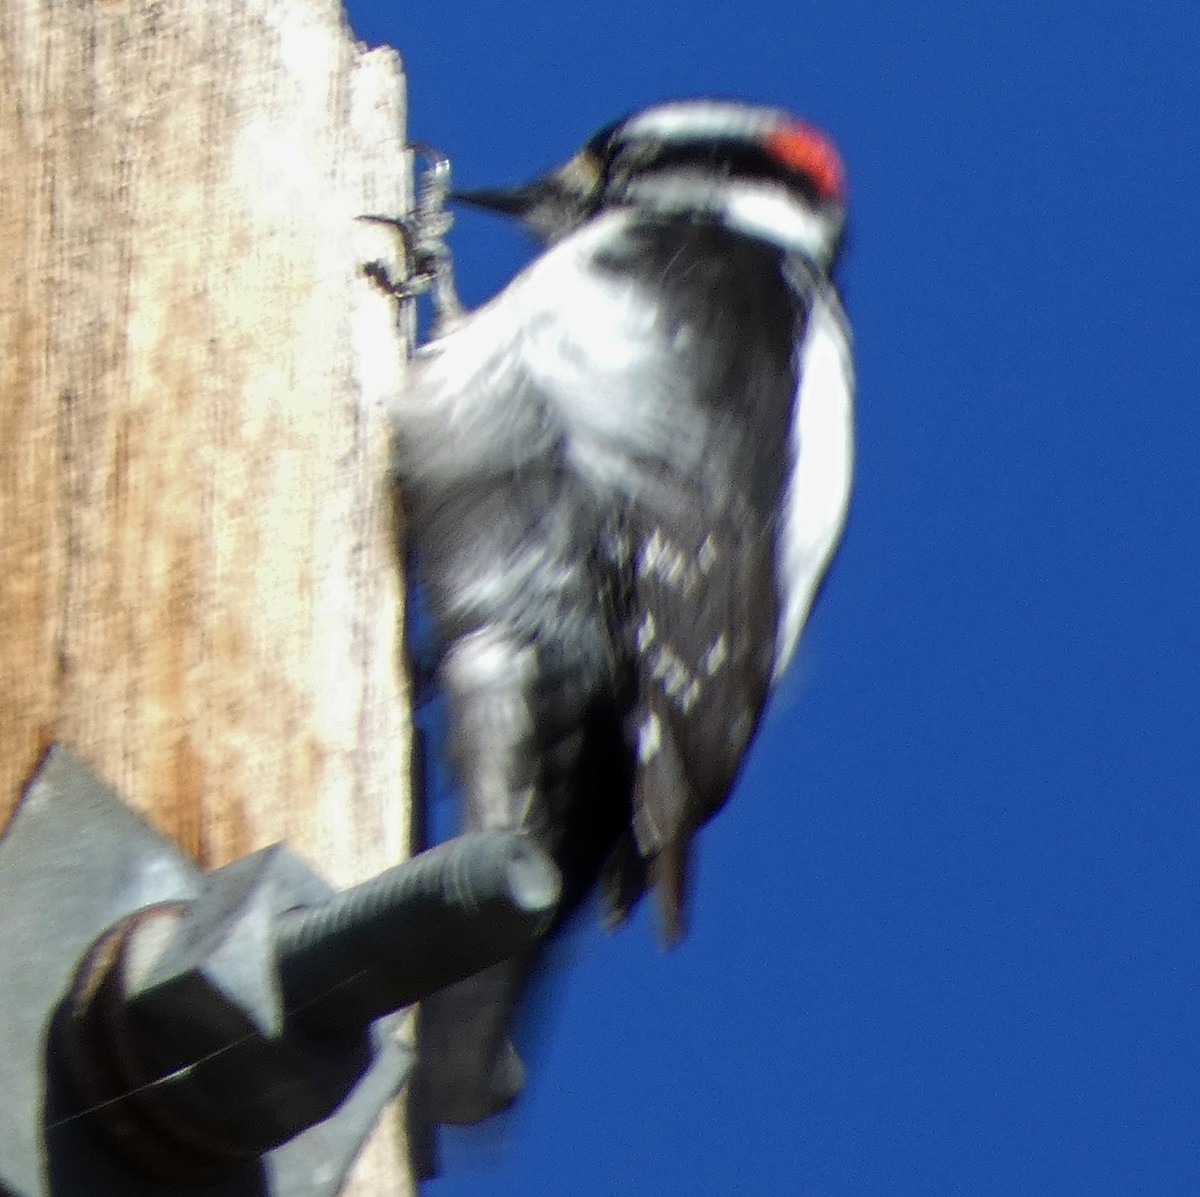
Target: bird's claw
point(428, 263)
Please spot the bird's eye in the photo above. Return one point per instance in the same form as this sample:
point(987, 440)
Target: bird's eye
point(633, 157)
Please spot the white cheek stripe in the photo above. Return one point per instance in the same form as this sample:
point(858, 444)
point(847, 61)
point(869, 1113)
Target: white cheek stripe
point(757, 208)
point(775, 215)
point(818, 494)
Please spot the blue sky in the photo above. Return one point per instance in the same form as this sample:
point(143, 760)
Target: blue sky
point(945, 936)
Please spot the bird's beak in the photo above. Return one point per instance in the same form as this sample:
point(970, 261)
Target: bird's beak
point(550, 206)
point(511, 201)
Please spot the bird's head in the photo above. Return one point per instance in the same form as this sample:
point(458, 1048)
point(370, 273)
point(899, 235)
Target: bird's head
point(759, 171)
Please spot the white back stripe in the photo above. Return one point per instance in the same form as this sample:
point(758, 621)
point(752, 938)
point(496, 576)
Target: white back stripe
point(822, 449)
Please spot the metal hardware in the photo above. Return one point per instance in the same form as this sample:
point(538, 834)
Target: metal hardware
point(160, 1028)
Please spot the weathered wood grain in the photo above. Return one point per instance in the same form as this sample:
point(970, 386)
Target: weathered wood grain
point(197, 588)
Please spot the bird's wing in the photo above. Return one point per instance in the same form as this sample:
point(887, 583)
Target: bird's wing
point(663, 382)
point(676, 380)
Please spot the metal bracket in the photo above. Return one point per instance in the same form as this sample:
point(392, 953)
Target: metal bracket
point(164, 1031)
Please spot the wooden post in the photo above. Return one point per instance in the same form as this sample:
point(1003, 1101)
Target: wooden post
point(197, 585)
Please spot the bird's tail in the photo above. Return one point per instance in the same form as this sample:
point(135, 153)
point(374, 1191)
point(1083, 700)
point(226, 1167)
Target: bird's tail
point(467, 1067)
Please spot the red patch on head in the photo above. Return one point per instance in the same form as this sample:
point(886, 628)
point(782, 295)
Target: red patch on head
point(802, 148)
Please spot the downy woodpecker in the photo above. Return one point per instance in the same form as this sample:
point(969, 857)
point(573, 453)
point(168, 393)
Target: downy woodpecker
point(625, 477)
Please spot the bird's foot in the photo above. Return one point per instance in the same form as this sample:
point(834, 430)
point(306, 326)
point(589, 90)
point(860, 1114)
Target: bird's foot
point(428, 262)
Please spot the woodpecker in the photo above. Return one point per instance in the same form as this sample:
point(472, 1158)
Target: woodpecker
point(625, 477)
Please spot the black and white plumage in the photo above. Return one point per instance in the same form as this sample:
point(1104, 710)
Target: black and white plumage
point(625, 477)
